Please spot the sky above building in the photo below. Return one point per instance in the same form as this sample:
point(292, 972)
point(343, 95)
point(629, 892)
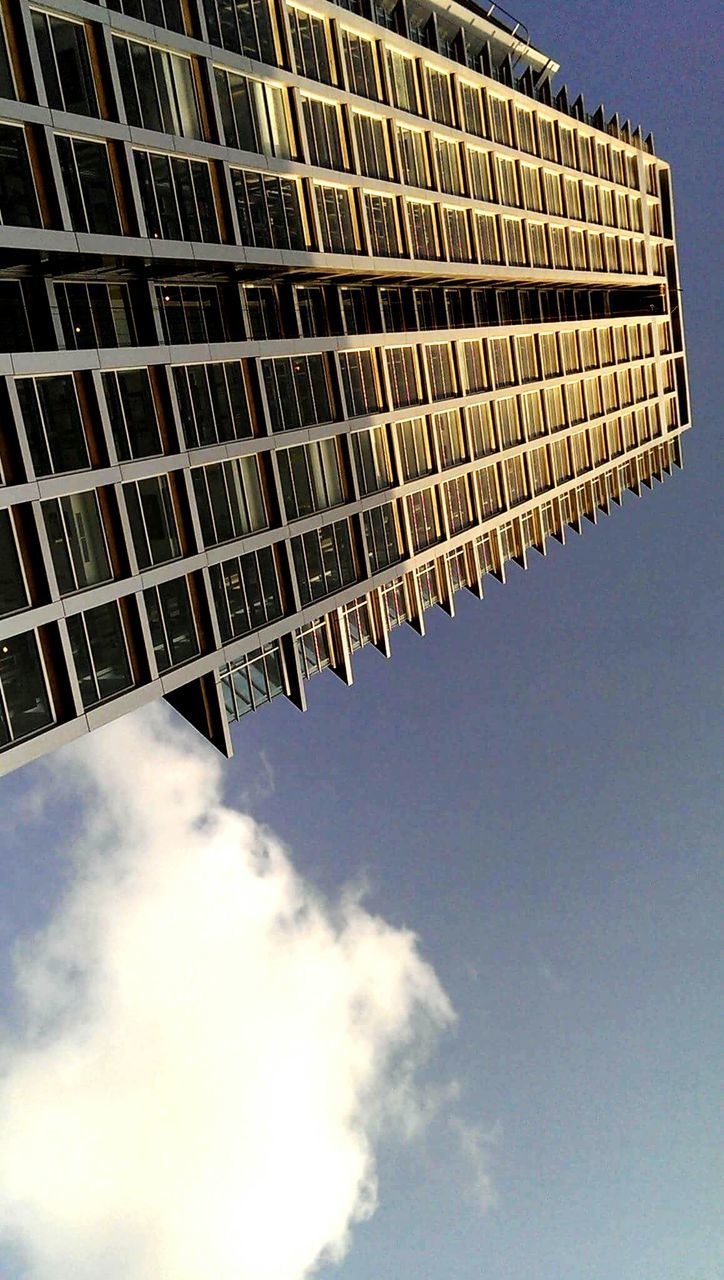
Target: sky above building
point(533, 790)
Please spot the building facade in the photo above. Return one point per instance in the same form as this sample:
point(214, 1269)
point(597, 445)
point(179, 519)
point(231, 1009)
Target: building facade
point(310, 316)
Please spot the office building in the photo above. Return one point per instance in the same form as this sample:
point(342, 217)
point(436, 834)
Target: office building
point(310, 317)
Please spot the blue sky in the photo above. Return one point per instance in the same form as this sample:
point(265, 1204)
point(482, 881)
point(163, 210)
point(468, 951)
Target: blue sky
point(534, 790)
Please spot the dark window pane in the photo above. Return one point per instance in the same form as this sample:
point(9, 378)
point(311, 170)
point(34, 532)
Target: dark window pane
point(18, 200)
point(53, 424)
point(13, 594)
point(24, 702)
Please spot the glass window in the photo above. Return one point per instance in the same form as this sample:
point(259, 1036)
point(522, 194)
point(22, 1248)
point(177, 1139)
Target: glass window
point(77, 541)
point(538, 469)
point(489, 490)
point(311, 478)
point(499, 119)
point(159, 13)
point(412, 145)
point(337, 218)
point(95, 315)
point(457, 505)
point(441, 371)
point(315, 320)
point(472, 103)
point(372, 459)
point(439, 96)
point(360, 58)
point(325, 136)
point(324, 561)
point(482, 432)
point(98, 645)
point(25, 705)
point(13, 589)
point(415, 448)
point(244, 28)
point(213, 402)
point(153, 521)
point(451, 438)
point(259, 677)
point(506, 416)
point(383, 538)
point(246, 593)
point(177, 197)
point(89, 186)
point(67, 74)
point(501, 361)
point(229, 499)
point(383, 225)
point(361, 382)
point(403, 80)
point(516, 480)
point(18, 199)
point(158, 88)
point(525, 128)
point(269, 208)
point(404, 375)
point(310, 41)
point(172, 624)
point(423, 518)
point(132, 411)
point(298, 391)
point(457, 235)
point(372, 144)
point(449, 169)
point(191, 313)
point(488, 242)
point(53, 424)
point(255, 115)
point(423, 229)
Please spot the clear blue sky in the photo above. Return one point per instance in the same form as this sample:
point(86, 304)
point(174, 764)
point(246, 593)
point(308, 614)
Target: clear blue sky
point(533, 788)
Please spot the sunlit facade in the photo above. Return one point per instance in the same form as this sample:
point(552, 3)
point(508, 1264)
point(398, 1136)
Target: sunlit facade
point(310, 316)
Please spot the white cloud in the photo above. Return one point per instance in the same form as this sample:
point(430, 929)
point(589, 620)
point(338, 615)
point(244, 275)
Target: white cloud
point(475, 1146)
point(208, 1051)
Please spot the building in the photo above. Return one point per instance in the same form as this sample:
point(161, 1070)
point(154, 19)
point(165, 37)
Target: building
point(310, 316)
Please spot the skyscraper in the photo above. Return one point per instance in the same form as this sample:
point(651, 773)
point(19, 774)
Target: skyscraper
point(312, 315)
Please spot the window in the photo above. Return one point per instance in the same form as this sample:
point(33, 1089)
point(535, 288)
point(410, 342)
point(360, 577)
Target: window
point(439, 96)
point(253, 681)
point(578, 249)
point(337, 219)
point(171, 622)
point(472, 104)
point(310, 42)
point(574, 402)
point(158, 88)
point(414, 445)
point(254, 115)
point(403, 80)
point(212, 402)
point(246, 593)
point(525, 128)
point(451, 438)
point(298, 391)
point(358, 623)
point(324, 561)
point(177, 199)
point(394, 603)
point(89, 186)
point(530, 183)
point(262, 310)
point(372, 144)
point(555, 411)
point(449, 171)
point(528, 370)
point(100, 654)
point(77, 541)
point(361, 63)
point(18, 199)
point(499, 119)
point(244, 28)
point(481, 182)
point(457, 235)
point(579, 453)
point(153, 521)
point(413, 156)
point(515, 479)
point(560, 461)
point(423, 229)
point(383, 226)
point(489, 490)
point(159, 13)
point(372, 459)
point(547, 136)
point(95, 315)
point(315, 319)
point(323, 125)
point(514, 241)
point(549, 357)
point(132, 410)
point(441, 371)
point(190, 313)
point(67, 74)
point(25, 705)
point(423, 518)
point(8, 87)
point(382, 536)
point(270, 211)
point(509, 429)
point(313, 648)
point(553, 193)
point(488, 242)
point(567, 140)
point(590, 202)
point(559, 246)
point(54, 427)
point(360, 382)
point(457, 505)
point(472, 364)
point(13, 589)
point(538, 244)
point(538, 469)
point(395, 310)
point(531, 412)
point(311, 478)
point(501, 361)
point(229, 500)
point(404, 375)
point(482, 432)
point(572, 189)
